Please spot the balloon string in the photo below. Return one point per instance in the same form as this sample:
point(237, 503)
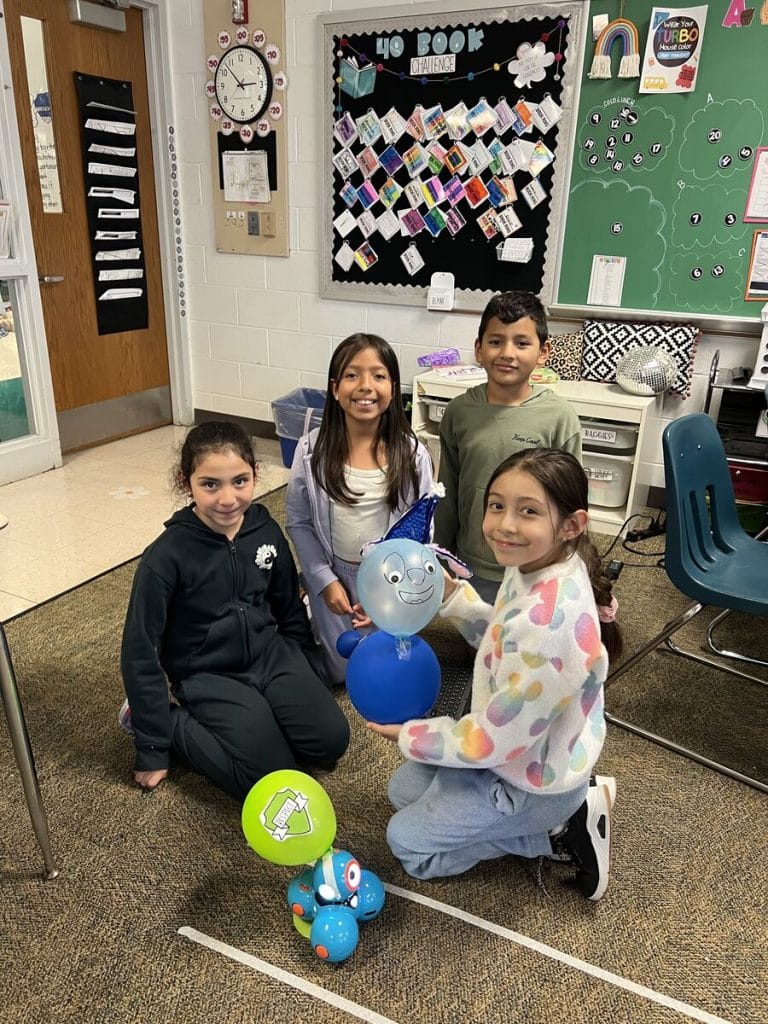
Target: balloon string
point(403, 648)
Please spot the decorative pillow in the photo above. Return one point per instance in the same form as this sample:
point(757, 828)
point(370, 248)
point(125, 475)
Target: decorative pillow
point(565, 358)
point(606, 341)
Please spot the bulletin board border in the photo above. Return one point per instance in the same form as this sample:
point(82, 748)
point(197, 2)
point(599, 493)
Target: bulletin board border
point(434, 16)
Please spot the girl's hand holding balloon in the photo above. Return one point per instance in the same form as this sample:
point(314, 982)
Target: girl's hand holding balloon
point(389, 732)
point(359, 619)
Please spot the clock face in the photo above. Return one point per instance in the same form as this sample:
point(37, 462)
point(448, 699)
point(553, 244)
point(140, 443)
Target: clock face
point(243, 84)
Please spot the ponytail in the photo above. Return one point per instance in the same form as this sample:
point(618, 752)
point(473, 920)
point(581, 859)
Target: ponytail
point(602, 588)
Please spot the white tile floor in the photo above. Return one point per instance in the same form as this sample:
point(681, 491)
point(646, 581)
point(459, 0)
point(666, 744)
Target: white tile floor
point(101, 508)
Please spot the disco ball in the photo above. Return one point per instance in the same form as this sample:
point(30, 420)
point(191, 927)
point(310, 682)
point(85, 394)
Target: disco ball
point(646, 370)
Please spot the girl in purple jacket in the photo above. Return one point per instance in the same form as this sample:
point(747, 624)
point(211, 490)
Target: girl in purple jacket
point(351, 479)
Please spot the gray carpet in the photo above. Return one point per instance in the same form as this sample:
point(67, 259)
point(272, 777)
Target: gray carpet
point(685, 914)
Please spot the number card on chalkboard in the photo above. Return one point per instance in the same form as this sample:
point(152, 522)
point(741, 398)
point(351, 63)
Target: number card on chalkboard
point(664, 184)
point(445, 147)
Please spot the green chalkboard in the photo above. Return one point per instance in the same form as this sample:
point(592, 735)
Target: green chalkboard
point(662, 179)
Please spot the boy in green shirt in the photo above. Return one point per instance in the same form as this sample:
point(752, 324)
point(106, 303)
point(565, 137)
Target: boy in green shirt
point(491, 421)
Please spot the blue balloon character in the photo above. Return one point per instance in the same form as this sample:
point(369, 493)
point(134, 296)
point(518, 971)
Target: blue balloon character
point(400, 585)
point(393, 675)
point(391, 679)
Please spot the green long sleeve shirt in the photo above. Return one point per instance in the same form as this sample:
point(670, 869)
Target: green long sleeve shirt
point(475, 437)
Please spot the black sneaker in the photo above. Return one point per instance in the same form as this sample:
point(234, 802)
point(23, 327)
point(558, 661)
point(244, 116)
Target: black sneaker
point(560, 854)
point(587, 838)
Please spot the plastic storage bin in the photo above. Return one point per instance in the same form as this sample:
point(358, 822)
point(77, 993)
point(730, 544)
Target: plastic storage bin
point(605, 436)
point(436, 409)
point(296, 414)
point(609, 477)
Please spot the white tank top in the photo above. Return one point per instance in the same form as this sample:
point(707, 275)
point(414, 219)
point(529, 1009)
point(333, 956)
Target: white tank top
point(355, 525)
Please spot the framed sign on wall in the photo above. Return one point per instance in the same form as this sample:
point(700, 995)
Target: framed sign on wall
point(246, 91)
point(446, 141)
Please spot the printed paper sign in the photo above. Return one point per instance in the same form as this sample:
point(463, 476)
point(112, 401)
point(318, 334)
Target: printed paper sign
point(345, 257)
point(365, 256)
point(673, 49)
point(345, 223)
point(388, 224)
point(757, 198)
point(412, 260)
point(606, 282)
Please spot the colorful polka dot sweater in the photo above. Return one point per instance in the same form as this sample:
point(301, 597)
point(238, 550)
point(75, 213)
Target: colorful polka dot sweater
point(537, 692)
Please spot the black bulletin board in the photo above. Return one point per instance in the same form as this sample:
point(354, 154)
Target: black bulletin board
point(671, 198)
point(395, 63)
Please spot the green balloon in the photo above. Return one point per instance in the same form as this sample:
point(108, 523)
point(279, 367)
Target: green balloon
point(288, 818)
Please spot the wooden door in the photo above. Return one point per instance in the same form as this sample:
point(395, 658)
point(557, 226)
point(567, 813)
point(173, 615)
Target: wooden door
point(111, 384)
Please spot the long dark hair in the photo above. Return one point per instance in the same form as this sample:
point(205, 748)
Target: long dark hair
point(394, 433)
point(565, 484)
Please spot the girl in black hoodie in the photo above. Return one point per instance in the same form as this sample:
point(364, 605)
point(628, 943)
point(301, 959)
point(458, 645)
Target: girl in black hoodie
point(215, 611)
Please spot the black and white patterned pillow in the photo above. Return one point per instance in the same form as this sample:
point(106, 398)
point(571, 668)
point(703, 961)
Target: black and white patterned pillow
point(606, 341)
point(565, 357)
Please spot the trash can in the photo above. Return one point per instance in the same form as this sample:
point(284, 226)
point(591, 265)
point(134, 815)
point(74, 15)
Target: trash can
point(296, 414)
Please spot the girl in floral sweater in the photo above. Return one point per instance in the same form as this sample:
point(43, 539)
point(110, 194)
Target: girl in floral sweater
point(513, 775)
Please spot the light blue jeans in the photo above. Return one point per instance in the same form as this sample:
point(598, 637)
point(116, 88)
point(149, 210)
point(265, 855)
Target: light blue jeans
point(449, 819)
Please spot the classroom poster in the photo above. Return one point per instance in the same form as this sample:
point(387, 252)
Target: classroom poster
point(673, 49)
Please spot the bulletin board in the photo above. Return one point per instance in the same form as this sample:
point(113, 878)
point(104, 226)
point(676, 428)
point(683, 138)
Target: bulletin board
point(662, 179)
point(445, 146)
point(249, 160)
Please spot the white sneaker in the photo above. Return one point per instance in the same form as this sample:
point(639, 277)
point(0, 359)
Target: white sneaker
point(561, 855)
point(587, 839)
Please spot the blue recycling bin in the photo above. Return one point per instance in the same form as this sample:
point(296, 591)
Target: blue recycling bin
point(295, 414)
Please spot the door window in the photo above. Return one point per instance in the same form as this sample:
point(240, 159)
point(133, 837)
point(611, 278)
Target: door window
point(41, 113)
point(14, 421)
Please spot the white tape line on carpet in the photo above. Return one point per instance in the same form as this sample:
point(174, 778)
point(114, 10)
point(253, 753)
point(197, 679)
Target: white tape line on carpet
point(363, 1013)
point(339, 1002)
point(555, 954)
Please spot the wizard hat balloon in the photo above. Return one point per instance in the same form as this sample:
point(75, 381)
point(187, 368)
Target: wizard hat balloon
point(416, 524)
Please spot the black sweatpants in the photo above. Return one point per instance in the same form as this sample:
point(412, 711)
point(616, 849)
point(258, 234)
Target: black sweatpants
point(236, 727)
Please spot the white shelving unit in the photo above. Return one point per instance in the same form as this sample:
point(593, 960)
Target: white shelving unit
point(605, 402)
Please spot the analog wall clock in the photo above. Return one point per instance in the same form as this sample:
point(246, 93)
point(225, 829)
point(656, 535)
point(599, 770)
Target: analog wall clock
point(243, 84)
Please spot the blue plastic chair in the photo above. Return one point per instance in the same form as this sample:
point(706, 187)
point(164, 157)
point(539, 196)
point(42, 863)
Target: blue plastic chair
point(708, 556)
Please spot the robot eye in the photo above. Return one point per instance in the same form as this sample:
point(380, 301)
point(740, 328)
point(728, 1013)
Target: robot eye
point(325, 893)
point(352, 875)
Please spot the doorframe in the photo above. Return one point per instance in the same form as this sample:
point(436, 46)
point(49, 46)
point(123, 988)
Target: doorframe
point(161, 110)
point(37, 452)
